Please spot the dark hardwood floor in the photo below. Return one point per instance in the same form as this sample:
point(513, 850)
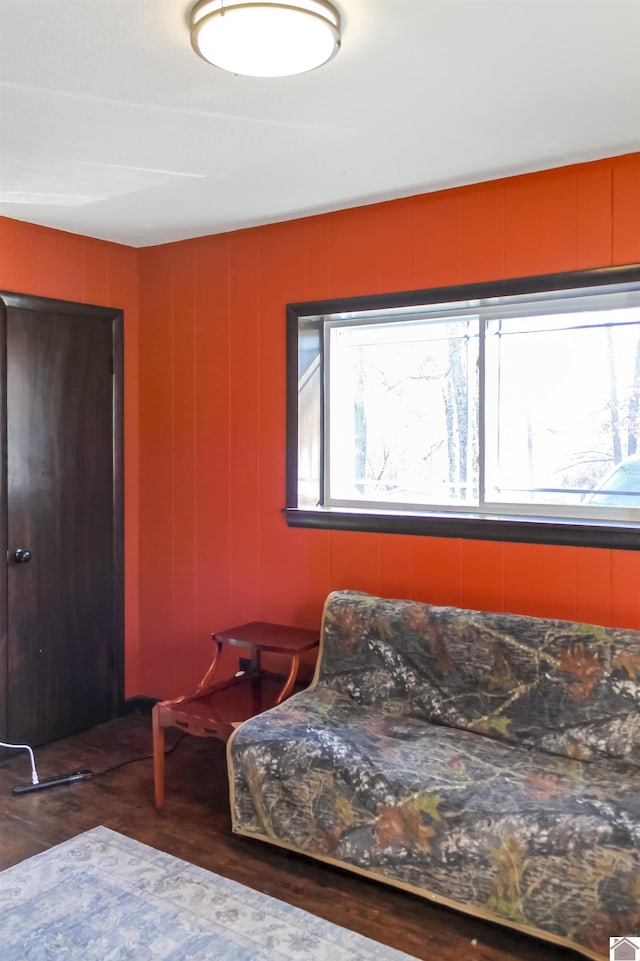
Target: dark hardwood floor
point(196, 826)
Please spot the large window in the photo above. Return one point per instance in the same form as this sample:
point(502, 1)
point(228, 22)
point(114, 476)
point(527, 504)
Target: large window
point(506, 410)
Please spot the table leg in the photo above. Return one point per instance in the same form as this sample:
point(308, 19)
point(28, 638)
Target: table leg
point(158, 759)
point(291, 679)
point(255, 672)
point(208, 678)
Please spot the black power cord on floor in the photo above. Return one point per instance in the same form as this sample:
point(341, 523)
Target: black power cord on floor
point(143, 757)
point(84, 775)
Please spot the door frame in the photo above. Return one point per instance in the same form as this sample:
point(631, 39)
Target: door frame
point(116, 318)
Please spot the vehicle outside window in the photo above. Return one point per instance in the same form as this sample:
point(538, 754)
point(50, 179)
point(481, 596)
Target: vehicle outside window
point(620, 488)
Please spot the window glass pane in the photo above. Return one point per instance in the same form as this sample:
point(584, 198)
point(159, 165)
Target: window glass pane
point(402, 412)
point(309, 413)
point(562, 400)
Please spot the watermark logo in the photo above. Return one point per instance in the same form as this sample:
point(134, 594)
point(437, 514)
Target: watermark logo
point(624, 949)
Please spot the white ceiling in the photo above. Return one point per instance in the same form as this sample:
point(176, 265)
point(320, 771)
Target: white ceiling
point(111, 126)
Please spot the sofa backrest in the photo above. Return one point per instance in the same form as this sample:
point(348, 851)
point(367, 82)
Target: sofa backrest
point(569, 688)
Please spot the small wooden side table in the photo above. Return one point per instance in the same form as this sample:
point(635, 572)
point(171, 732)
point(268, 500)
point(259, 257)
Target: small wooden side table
point(216, 709)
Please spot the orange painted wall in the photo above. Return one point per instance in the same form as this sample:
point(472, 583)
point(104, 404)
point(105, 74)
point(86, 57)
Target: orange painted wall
point(214, 547)
point(52, 263)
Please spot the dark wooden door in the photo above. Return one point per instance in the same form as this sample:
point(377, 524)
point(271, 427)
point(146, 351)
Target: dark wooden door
point(62, 505)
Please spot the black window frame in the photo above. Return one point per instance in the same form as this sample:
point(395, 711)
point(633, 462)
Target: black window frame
point(467, 525)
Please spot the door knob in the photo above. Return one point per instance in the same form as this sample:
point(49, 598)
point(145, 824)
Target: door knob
point(21, 556)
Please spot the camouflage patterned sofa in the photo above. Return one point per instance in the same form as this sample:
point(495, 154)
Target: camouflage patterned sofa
point(487, 761)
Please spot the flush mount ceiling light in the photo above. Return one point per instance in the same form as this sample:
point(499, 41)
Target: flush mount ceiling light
point(265, 39)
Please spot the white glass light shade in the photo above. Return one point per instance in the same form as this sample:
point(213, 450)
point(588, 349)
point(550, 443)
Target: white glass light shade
point(265, 39)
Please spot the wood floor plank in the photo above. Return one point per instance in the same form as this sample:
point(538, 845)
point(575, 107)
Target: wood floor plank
point(196, 826)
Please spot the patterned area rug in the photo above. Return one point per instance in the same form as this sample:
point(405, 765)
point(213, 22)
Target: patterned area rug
point(103, 897)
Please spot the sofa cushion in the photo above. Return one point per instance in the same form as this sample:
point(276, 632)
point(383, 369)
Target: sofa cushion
point(572, 689)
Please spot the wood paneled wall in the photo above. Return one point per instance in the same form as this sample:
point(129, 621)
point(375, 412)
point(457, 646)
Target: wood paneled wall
point(52, 263)
point(214, 547)
point(206, 544)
